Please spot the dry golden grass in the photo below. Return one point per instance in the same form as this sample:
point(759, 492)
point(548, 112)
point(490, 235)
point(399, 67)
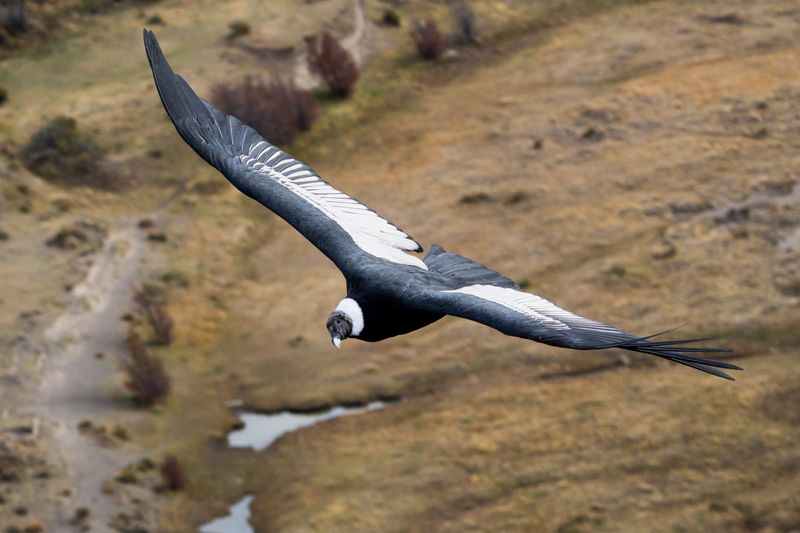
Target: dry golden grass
point(628, 223)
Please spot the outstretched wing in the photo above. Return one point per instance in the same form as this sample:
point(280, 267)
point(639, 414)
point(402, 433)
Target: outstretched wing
point(339, 225)
point(497, 302)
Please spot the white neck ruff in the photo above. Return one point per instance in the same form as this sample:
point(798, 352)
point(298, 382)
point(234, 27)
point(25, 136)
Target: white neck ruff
point(351, 308)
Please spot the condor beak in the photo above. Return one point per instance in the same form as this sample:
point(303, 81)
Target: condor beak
point(337, 342)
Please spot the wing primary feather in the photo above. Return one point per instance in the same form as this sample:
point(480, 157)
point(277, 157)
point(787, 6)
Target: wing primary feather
point(179, 100)
point(229, 145)
point(540, 320)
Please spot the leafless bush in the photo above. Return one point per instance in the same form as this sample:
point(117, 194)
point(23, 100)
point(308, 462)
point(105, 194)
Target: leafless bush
point(427, 38)
point(277, 109)
point(173, 474)
point(464, 17)
point(327, 57)
point(156, 315)
point(146, 378)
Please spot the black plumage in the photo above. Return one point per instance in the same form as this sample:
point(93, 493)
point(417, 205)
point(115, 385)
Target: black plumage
point(389, 292)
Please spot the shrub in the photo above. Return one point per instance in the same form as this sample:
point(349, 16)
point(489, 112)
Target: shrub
point(277, 109)
point(173, 475)
point(464, 17)
point(155, 20)
point(13, 17)
point(475, 198)
point(156, 316)
point(68, 238)
point(146, 378)
point(60, 152)
point(391, 18)
point(427, 38)
point(176, 277)
point(328, 58)
point(80, 517)
point(92, 6)
point(101, 6)
point(238, 28)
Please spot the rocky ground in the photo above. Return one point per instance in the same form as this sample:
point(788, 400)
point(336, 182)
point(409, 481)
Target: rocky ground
point(634, 163)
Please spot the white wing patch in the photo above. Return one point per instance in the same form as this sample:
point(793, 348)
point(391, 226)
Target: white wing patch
point(536, 307)
point(373, 234)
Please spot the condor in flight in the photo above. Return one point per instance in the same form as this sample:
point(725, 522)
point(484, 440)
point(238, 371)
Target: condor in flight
point(389, 291)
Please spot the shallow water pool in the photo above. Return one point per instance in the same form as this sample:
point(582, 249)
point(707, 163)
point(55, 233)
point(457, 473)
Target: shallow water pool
point(261, 430)
point(236, 522)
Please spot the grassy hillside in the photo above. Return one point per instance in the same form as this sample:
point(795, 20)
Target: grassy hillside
point(635, 163)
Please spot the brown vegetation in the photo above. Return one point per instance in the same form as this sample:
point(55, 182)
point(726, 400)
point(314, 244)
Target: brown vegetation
point(156, 315)
point(173, 474)
point(13, 19)
point(79, 234)
point(391, 18)
point(100, 6)
point(329, 59)
point(238, 28)
point(277, 109)
point(155, 20)
point(146, 378)
point(27, 23)
point(427, 38)
point(68, 238)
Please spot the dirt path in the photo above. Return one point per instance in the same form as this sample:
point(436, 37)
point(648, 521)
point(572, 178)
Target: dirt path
point(358, 43)
point(359, 40)
point(76, 385)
